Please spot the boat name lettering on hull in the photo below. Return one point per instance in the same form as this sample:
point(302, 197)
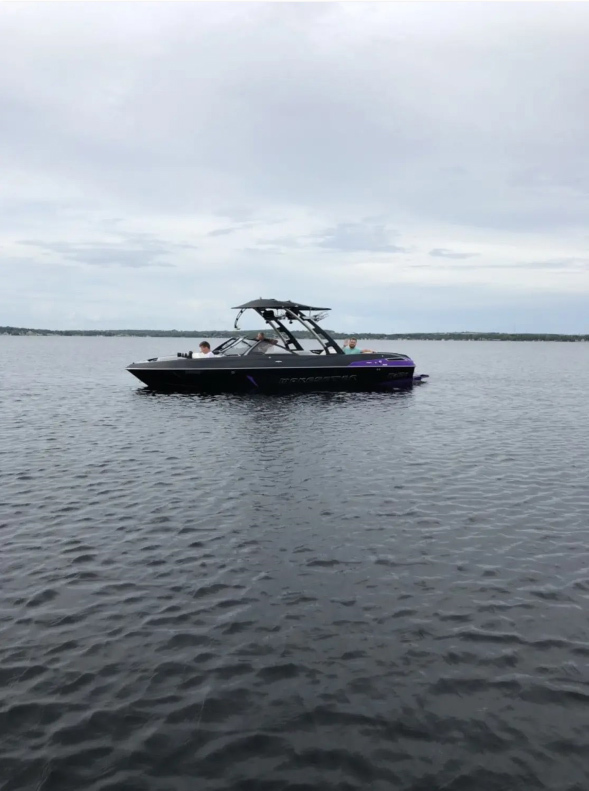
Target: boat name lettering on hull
point(314, 379)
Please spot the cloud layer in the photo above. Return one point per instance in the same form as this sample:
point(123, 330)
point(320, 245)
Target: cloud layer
point(161, 162)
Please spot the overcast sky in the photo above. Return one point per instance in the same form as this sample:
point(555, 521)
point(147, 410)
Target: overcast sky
point(414, 166)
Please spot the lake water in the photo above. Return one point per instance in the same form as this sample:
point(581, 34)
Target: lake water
point(308, 593)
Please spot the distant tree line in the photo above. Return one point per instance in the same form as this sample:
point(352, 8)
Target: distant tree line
point(417, 336)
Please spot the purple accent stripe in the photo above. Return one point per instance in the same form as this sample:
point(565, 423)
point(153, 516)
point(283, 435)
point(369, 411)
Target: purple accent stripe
point(253, 381)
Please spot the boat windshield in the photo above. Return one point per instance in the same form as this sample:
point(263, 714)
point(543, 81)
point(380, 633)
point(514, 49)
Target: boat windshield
point(239, 347)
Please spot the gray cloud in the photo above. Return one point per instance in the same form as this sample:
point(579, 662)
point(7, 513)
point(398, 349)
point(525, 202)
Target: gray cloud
point(345, 238)
point(222, 232)
point(262, 250)
point(137, 252)
point(357, 237)
point(556, 263)
point(238, 225)
point(281, 242)
point(440, 252)
point(361, 237)
point(351, 237)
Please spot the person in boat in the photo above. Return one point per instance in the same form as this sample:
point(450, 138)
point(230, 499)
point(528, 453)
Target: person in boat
point(205, 349)
point(351, 347)
point(261, 337)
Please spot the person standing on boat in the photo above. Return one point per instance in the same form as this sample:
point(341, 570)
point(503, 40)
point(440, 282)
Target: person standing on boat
point(350, 347)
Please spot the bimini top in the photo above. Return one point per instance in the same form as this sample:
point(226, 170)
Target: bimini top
point(276, 304)
point(277, 311)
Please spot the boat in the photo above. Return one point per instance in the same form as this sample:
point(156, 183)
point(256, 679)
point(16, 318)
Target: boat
point(277, 365)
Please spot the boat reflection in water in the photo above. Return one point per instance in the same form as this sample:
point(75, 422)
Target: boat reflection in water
point(242, 364)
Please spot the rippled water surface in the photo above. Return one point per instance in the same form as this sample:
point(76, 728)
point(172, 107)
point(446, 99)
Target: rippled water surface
point(337, 591)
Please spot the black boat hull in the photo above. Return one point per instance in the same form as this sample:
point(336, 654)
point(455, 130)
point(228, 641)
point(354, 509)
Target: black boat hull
point(276, 374)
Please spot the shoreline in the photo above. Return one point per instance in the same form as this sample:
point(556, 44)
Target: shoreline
point(401, 336)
